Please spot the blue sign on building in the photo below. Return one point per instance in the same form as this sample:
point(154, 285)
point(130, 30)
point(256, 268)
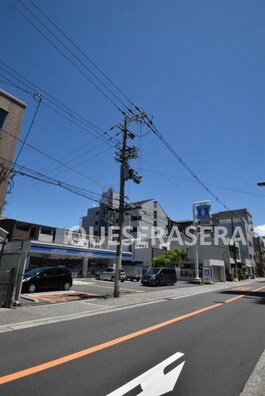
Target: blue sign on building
point(203, 212)
point(70, 251)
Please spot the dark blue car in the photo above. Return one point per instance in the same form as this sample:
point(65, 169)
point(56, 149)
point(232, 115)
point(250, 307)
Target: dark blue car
point(47, 278)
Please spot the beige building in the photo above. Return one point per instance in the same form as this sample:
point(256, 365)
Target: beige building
point(11, 114)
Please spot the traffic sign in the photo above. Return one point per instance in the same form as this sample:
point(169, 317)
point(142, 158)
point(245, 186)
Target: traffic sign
point(203, 212)
point(207, 274)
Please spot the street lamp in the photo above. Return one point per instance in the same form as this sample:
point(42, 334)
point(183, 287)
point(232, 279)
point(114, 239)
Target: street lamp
point(261, 184)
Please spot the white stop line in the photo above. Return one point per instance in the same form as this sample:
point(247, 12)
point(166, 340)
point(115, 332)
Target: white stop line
point(154, 382)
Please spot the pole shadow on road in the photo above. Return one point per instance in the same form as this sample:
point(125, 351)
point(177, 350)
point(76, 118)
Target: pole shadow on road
point(259, 296)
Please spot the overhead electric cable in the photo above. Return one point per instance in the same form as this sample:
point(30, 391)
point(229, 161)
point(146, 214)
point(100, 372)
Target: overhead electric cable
point(23, 171)
point(71, 52)
point(30, 127)
point(149, 122)
point(53, 159)
point(62, 53)
point(183, 163)
point(84, 54)
point(55, 102)
point(23, 187)
point(212, 185)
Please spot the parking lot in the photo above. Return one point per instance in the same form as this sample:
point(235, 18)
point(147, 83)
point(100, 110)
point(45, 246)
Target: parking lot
point(89, 288)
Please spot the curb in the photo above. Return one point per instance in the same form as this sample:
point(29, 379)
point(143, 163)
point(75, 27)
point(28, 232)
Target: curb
point(29, 298)
point(255, 385)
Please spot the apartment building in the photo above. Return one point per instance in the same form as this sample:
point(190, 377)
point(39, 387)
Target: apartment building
point(142, 216)
point(259, 247)
point(22, 231)
point(11, 114)
point(239, 220)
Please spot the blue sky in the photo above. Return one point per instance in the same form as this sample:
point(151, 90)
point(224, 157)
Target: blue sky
point(196, 67)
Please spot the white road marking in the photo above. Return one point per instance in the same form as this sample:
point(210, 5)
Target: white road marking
point(79, 283)
point(154, 382)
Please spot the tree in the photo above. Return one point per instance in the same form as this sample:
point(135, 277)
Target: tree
point(170, 257)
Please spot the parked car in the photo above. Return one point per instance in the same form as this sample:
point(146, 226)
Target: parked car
point(45, 278)
point(159, 276)
point(109, 274)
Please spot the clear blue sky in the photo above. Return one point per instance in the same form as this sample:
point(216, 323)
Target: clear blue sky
point(196, 66)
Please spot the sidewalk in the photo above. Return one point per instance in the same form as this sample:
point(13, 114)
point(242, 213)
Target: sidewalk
point(36, 315)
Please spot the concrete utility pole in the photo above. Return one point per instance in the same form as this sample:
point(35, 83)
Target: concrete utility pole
point(234, 251)
point(124, 154)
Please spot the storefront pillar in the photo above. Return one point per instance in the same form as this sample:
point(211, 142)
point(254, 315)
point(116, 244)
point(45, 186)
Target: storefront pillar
point(84, 267)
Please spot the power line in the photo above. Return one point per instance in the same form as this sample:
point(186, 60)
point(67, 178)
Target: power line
point(61, 52)
point(213, 185)
point(183, 163)
point(30, 127)
point(84, 54)
point(54, 159)
point(21, 188)
point(102, 136)
point(23, 171)
point(149, 122)
point(168, 178)
point(93, 129)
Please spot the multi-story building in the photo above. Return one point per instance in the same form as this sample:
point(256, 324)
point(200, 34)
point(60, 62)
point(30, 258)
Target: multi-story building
point(37, 245)
point(146, 216)
point(259, 247)
point(22, 231)
point(239, 222)
point(11, 114)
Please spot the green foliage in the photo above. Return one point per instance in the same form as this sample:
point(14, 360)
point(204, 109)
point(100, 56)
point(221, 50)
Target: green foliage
point(170, 257)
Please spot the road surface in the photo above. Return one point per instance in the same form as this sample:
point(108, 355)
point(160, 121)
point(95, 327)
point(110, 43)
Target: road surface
point(214, 340)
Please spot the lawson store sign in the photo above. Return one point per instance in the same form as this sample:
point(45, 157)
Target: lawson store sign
point(69, 251)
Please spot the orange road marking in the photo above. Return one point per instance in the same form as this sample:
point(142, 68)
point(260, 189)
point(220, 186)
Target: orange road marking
point(260, 288)
point(85, 352)
point(234, 299)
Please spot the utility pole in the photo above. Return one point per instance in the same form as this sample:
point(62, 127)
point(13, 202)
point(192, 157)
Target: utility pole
point(234, 251)
point(123, 155)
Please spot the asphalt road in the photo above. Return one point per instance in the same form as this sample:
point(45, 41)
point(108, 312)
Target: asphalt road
point(94, 288)
point(107, 287)
point(220, 334)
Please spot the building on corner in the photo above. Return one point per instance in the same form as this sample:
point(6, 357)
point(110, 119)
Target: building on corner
point(11, 114)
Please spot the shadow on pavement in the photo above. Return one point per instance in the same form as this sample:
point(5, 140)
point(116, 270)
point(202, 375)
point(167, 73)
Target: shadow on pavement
point(259, 295)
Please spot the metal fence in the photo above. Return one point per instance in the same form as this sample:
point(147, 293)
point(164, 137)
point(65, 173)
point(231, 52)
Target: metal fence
point(7, 287)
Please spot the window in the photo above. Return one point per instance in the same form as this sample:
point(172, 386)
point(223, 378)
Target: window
point(46, 231)
point(60, 271)
point(22, 227)
point(3, 115)
point(135, 218)
point(50, 272)
point(33, 232)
